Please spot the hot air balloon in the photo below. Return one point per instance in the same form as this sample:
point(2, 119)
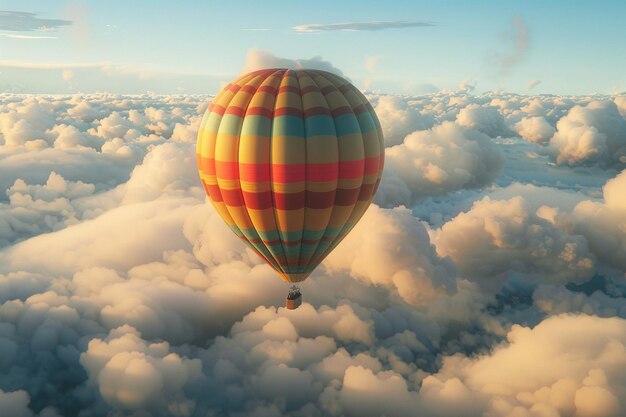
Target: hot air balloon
point(291, 160)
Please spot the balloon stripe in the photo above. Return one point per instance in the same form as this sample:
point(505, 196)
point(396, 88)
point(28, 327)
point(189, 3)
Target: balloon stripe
point(345, 198)
point(288, 146)
point(321, 146)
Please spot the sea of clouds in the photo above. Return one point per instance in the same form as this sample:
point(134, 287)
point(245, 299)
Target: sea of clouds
point(488, 279)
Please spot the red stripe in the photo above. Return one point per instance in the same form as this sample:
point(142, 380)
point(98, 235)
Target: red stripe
point(254, 172)
point(344, 88)
point(237, 111)
point(316, 111)
point(288, 89)
point(339, 111)
point(328, 89)
point(248, 89)
point(288, 201)
point(267, 89)
point(367, 190)
point(260, 111)
point(347, 196)
point(287, 111)
point(320, 200)
point(309, 89)
point(227, 170)
point(359, 109)
point(350, 170)
point(216, 108)
point(322, 172)
point(372, 165)
point(258, 201)
point(232, 198)
point(214, 192)
point(208, 165)
point(289, 173)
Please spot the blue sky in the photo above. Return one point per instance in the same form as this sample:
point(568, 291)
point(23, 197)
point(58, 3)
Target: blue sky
point(574, 47)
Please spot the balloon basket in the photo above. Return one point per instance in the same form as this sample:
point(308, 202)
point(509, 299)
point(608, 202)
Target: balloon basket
point(294, 298)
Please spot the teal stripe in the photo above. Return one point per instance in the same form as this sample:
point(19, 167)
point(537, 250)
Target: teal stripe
point(312, 234)
point(253, 125)
point(366, 123)
point(320, 125)
point(288, 126)
point(347, 124)
point(231, 124)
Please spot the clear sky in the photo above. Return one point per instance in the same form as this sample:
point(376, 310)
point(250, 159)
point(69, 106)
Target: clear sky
point(528, 47)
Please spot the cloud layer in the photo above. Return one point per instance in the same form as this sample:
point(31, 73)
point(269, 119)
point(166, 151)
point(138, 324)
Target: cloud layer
point(497, 290)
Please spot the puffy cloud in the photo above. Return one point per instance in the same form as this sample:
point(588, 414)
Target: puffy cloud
point(535, 129)
point(398, 119)
point(497, 238)
point(485, 119)
point(602, 224)
point(571, 371)
point(594, 134)
point(36, 209)
point(436, 161)
point(391, 248)
point(257, 59)
point(132, 374)
point(15, 403)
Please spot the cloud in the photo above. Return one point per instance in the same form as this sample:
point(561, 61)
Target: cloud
point(437, 161)
point(12, 36)
point(533, 83)
point(593, 134)
point(123, 292)
point(535, 129)
point(258, 59)
point(361, 26)
point(485, 119)
point(602, 223)
point(398, 119)
point(24, 21)
point(498, 238)
point(514, 47)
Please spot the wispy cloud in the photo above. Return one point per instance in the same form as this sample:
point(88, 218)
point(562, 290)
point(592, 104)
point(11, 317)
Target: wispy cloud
point(361, 26)
point(25, 21)
point(533, 83)
point(12, 36)
point(514, 47)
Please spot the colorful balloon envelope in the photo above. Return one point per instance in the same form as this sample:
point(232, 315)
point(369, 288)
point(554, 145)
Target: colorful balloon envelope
point(291, 160)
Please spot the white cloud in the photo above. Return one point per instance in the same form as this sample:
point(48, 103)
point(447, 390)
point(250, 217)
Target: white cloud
point(360, 26)
point(535, 129)
point(602, 223)
point(24, 21)
point(436, 161)
point(257, 59)
point(594, 134)
point(498, 238)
